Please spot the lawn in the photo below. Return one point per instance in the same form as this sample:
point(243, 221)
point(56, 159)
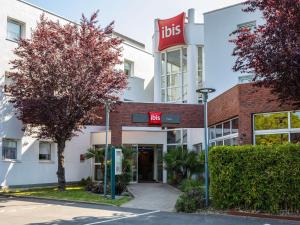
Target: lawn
point(73, 193)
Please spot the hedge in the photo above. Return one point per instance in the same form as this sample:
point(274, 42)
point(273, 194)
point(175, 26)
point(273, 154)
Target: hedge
point(261, 178)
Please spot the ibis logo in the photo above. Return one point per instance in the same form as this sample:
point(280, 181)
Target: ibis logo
point(155, 118)
point(171, 32)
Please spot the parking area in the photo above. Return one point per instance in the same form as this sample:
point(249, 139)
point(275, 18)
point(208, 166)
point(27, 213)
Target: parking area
point(16, 211)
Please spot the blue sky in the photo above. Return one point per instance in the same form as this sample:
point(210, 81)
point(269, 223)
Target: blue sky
point(133, 18)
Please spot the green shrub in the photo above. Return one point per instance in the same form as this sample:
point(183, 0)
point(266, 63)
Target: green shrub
point(190, 201)
point(265, 178)
point(181, 164)
point(188, 184)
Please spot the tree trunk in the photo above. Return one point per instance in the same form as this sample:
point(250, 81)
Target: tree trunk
point(61, 169)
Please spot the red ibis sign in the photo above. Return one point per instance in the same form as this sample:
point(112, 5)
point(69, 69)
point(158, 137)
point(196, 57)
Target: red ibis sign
point(171, 32)
point(155, 118)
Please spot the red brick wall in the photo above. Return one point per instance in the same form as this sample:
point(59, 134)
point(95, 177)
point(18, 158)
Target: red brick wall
point(244, 100)
point(224, 107)
point(191, 116)
point(255, 100)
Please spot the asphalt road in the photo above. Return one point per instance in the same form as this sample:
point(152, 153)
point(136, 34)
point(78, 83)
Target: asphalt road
point(16, 211)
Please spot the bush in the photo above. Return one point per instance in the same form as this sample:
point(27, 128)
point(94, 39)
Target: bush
point(181, 164)
point(264, 178)
point(190, 201)
point(188, 184)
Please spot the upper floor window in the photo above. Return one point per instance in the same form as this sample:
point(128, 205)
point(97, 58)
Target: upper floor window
point(14, 30)
point(174, 76)
point(128, 68)
point(9, 149)
point(45, 151)
point(200, 68)
point(250, 25)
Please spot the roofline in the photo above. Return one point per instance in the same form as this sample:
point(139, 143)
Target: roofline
point(230, 6)
point(47, 11)
point(141, 45)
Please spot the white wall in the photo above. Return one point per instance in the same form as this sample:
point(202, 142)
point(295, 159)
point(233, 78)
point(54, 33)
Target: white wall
point(218, 25)
point(27, 169)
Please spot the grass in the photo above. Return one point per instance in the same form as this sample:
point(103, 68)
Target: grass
point(73, 193)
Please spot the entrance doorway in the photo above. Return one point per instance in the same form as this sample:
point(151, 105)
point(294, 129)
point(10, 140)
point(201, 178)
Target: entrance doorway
point(146, 163)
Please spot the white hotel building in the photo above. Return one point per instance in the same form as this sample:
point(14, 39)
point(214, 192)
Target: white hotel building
point(170, 77)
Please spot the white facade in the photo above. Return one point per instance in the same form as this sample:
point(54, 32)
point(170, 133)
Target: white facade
point(27, 168)
point(218, 25)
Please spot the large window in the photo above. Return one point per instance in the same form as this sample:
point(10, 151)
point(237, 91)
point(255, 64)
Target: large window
point(14, 30)
point(177, 138)
point(44, 151)
point(200, 68)
point(174, 76)
point(276, 128)
point(9, 149)
point(225, 133)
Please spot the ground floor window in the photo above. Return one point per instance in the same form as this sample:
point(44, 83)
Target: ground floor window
point(9, 149)
point(225, 133)
point(276, 127)
point(44, 151)
point(176, 138)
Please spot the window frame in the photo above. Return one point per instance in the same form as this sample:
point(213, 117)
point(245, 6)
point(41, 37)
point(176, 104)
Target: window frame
point(51, 152)
point(17, 149)
point(164, 75)
point(16, 22)
point(131, 67)
point(288, 130)
point(181, 143)
point(223, 138)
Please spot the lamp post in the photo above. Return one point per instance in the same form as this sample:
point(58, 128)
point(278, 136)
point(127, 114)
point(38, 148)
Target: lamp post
point(205, 92)
point(107, 103)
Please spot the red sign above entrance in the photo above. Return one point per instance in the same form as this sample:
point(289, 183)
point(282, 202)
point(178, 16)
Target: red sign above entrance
point(171, 32)
point(154, 118)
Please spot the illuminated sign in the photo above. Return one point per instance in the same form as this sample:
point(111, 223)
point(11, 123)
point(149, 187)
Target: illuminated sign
point(154, 118)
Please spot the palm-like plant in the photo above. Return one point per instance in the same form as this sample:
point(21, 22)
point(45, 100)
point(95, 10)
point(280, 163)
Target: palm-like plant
point(95, 153)
point(182, 163)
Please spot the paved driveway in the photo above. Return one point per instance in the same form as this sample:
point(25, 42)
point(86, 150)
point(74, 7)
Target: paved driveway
point(16, 211)
point(153, 196)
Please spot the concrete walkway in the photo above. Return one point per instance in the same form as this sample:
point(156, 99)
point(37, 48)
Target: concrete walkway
point(153, 196)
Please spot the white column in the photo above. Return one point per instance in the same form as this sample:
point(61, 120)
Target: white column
point(157, 63)
point(192, 58)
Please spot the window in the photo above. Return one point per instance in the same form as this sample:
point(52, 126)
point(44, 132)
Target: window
point(250, 25)
point(128, 68)
point(225, 133)
point(14, 30)
point(45, 151)
point(295, 120)
point(174, 76)
point(267, 139)
point(200, 67)
point(9, 149)
point(177, 138)
point(276, 128)
point(270, 121)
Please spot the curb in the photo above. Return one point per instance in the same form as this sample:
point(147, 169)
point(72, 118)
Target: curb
point(57, 200)
point(266, 216)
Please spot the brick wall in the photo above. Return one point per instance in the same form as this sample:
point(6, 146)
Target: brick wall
point(191, 116)
point(244, 100)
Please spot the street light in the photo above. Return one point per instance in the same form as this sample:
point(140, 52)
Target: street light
point(205, 92)
point(107, 103)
